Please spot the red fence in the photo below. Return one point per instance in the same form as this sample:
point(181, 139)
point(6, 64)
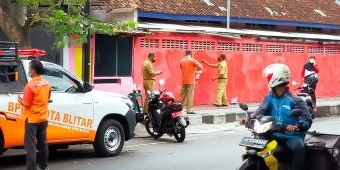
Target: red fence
point(246, 59)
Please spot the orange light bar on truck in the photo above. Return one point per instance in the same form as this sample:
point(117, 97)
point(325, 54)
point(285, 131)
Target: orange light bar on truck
point(32, 52)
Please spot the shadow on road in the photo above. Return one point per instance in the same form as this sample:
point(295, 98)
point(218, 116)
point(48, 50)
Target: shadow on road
point(12, 161)
point(16, 159)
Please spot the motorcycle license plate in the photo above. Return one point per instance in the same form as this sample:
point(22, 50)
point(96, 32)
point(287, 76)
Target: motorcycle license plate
point(253, 142)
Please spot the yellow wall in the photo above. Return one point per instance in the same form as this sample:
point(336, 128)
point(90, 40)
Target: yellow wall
point(78, 53)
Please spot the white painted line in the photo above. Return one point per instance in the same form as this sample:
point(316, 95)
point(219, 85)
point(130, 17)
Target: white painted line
point(156, 143)
point(326, 122)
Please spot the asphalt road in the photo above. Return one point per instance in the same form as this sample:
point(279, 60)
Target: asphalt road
point(213, 147)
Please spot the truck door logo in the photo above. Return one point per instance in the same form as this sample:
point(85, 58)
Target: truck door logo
point(55, 118)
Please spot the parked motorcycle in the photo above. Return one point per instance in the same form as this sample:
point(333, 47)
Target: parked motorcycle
point(165, 115)
point(306, 88)
point(262, 151)
point(306, 93)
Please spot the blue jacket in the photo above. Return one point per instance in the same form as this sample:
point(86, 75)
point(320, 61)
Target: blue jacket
point(280, 107)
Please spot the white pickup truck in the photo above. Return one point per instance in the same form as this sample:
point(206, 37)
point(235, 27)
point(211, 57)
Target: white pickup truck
point(78, 114)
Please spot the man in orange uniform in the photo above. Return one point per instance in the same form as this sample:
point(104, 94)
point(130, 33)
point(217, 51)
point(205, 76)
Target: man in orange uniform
point(188, 66)
point(35, 109)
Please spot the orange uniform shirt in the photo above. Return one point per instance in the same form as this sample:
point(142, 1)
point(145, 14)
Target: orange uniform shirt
point(36, 95)
point(189, 66)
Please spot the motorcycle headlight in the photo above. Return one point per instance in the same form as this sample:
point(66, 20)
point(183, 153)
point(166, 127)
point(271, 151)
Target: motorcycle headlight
point(182, 121)
point(261, 128)
point(129, 103)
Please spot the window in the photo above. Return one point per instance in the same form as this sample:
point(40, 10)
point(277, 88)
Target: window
point(308, 29)
point(252, 47)
point(332, 50)
point(260, 26)
point(113, 56)
point(12, 77)
point(295, 49)
point(273, 48)
point(8, 74)
point(149, 43)
point(202, 45)
point(315, 50)
point(225, 46)
point(180, 44)
point(60, 81)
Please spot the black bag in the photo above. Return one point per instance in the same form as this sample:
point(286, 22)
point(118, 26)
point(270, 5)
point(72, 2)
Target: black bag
point(322, 150)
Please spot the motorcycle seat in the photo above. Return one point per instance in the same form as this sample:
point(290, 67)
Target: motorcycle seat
point(315, 144)
point(303, 94)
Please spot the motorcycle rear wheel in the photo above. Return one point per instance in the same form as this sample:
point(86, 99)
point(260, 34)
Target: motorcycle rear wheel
point(180, 136)
point(149, 128)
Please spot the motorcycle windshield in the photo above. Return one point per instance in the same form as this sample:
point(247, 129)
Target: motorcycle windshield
point(262, 128)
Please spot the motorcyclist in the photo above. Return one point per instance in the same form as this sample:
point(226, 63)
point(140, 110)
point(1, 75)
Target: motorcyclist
point(309, 75)
point(278, 103)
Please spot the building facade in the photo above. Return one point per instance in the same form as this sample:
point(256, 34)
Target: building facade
point(261, 32)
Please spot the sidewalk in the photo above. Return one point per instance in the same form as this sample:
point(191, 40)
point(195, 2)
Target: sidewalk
point(213, 115)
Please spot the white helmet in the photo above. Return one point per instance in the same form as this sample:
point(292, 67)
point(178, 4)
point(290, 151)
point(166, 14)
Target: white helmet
point(276, 74)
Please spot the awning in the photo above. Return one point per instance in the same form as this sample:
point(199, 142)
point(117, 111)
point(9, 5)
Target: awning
point(160, 27)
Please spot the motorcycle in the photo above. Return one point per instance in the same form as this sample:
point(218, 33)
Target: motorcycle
point(306, 93)
point(165, 117)
point(263, 152)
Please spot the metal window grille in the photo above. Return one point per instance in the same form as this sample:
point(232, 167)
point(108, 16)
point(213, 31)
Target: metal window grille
point(332, 50)
point(273, 48)
point(224, 46)
point(168, 43)
point(149, 43)
point(252, 47)
point(295, 49)
point(202, 45)
point(315, 50)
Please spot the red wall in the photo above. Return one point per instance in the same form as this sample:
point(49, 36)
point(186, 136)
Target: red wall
point(245, 64)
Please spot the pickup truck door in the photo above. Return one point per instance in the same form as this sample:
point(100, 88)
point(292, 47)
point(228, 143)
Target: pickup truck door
point(70, 110)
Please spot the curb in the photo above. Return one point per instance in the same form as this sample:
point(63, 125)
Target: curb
point(216, 116)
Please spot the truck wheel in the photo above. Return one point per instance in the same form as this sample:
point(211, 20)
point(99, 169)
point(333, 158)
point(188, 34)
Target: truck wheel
point(110, 138)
